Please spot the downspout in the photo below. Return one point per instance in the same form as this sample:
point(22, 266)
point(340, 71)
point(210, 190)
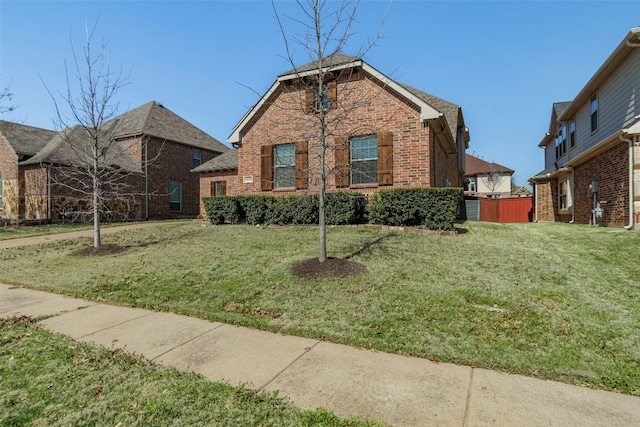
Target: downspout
point(573, 196)
point(630, 142)
point(146, 181)
point(49, 194)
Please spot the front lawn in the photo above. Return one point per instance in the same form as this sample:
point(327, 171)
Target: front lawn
point(554, 301)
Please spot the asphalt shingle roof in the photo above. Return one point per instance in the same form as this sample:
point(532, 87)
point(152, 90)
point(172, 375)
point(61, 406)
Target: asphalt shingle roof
point(74, 147)
point(475, 166)
point(225, 161)
point(155, 120)
point(25, 140)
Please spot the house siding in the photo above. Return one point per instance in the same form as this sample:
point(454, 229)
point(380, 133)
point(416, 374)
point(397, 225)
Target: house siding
point(618, 104)
point(365, 107)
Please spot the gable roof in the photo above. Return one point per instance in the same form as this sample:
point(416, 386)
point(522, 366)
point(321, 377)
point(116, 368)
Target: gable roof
point(432, 109)
point(225, 161)
point(25, 140)
point(478, 166)
point(153, 119)
point(59, 150)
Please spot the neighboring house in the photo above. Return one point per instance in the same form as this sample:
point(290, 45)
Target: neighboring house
point(592, 149)
point(17, 143)
point(155, 149)
point(383, 134)
point(486, 179)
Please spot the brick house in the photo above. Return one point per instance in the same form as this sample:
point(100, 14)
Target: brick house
point(486, 179)
point(592, 148)
point(380, 134)
point(153, 147)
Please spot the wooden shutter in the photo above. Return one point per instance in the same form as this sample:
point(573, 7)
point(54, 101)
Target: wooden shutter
point(385, 158)
point(213, 188)
point(266, 167)
point(302, 165)
point(223, 185)
point(332, 94)
point(342, 162)
point(309, 100)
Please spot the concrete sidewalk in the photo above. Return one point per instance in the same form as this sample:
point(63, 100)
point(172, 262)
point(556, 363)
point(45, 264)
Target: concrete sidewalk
point(47, 238)
point(402, 391)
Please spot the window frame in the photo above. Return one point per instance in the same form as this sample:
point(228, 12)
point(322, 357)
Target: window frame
point(572, 132)
point(172, 201)
point(594, 112)
point(197, 157)
point(371, 139)
point(562, 195)
point(281, 169)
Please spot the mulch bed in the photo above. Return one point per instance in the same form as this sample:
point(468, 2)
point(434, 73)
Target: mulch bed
point(332, 267)
point(102, 250)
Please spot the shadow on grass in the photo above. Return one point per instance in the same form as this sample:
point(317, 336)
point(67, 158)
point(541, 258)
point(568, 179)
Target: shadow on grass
point(368, 246)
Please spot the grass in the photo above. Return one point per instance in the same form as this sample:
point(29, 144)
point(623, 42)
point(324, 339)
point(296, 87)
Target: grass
point(553, 301)
point(49, 379)
point(18, 232)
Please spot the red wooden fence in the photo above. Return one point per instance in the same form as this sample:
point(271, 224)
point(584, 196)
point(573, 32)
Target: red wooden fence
point(516, 209)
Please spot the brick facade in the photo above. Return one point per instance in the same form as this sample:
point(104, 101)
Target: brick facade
point(611, 170)
point(364, 107)
point(207, 180)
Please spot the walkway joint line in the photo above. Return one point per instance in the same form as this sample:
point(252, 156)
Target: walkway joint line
point(468, 403)
point(307, 351)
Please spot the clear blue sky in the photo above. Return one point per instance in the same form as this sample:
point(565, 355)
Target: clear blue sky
point(504, 62)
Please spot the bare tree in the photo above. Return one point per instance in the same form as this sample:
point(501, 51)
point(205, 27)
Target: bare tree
point(326, 30)
point(92, 166)
point(5, 100)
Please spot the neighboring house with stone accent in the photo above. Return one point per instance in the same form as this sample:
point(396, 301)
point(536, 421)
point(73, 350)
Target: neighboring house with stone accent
point(382, 134)
point(153, 147)
point(592, 148)
point(486, 179)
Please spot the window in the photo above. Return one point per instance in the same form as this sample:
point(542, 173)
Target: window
point(572, 132)
point(594, 112)
point(175, 196)
point(196, 158)
point(562, 194)
point(364, 160)
point(471, 185)
point(284, 166)
point(219, 188)
point(561, 141)
point(323, 97)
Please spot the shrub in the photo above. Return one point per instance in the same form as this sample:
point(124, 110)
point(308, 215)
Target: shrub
point(222, 210)
point(435, 208)
point(341, 208)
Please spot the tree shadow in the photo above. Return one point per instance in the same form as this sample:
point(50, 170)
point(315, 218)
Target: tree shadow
point(368, 246)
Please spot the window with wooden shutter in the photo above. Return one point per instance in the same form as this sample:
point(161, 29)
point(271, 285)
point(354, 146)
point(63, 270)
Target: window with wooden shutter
point(309, 99)
point(219, 188)
point(266, 167)
point(342, 162)
point(332, 94)
point(385, 158)
point(302, 165)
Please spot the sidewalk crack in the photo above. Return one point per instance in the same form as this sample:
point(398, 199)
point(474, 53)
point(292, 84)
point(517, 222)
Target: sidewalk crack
point(307, 350)
point(465, 421)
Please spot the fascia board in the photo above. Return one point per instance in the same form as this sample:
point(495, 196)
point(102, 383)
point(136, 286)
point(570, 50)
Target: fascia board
point(427, 112)
point(234, 138)
point(295, 75)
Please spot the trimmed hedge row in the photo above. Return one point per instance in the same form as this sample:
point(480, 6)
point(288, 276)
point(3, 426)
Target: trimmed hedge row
point(341, 209)
point(434, 208)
